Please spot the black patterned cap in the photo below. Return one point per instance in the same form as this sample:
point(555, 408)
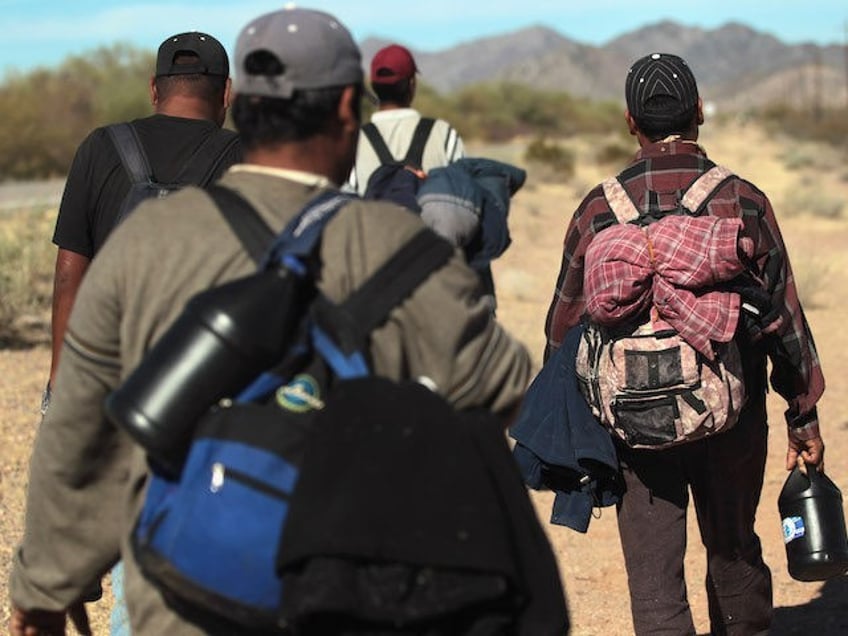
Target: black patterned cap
point(660, 74)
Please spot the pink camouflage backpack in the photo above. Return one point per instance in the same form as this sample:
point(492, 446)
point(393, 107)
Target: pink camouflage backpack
point(662, 381)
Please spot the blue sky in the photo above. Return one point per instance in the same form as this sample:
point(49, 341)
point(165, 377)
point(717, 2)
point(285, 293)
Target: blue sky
point(43, 33)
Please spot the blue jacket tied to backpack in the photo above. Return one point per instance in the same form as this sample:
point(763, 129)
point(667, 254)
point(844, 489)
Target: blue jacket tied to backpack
point(561, 446)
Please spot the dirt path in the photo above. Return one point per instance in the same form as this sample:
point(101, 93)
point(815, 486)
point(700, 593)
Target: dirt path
point(23, 194)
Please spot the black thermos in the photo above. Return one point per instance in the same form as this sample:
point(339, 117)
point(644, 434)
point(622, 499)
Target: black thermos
point(813, 526)
point(223, 339)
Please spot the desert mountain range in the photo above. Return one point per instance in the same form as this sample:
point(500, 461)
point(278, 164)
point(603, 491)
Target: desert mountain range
point(737, 66)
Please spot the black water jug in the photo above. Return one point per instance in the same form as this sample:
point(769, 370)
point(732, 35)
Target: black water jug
point(223, 339)
point(813, 526)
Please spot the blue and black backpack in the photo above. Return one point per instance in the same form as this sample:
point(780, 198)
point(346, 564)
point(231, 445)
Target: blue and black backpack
point(209, 530)
point(322, 499)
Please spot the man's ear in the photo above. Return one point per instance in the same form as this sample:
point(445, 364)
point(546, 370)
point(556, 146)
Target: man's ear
point(631, 123)
point(227, 92)
point(349, 110)
point(154, 94)
point(700, 111)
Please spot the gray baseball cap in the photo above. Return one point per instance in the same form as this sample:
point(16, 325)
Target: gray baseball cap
point(313, 48)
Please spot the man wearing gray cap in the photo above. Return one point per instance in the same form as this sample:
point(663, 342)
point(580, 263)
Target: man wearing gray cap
point(724, 472)
point(298, 85)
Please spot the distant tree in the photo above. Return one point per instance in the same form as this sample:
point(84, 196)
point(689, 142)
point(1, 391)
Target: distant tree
point(44, 114)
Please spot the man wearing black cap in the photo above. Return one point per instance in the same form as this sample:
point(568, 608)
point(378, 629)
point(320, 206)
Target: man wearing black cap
point(724, 472)
point(394, 82)
point(298, 88)
point(183, 141)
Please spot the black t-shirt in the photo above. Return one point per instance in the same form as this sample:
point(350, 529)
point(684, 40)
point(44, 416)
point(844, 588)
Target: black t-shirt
point(97, 182)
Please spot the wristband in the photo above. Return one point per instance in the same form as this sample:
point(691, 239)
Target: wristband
point(45, 398)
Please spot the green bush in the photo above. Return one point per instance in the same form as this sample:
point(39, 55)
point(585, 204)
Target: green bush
point(829, 126)
point(46, 113)
point(615, 153)
point(558, 161)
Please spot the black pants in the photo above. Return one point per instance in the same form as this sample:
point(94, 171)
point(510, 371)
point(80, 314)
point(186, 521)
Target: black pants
point(725, 475)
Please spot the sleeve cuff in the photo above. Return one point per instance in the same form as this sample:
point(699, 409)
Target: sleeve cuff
point(803, 426)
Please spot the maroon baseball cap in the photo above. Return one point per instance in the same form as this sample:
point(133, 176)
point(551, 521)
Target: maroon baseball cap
point(392, 64)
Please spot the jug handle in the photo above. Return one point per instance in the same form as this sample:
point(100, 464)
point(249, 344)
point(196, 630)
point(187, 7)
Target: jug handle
point(811, 471)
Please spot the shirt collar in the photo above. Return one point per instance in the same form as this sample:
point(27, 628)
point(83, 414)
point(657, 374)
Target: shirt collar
point(299, 176)
point(393, 113)
point(673, 145)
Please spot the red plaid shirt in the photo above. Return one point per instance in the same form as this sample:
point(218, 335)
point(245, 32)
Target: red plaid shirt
point(668, 168)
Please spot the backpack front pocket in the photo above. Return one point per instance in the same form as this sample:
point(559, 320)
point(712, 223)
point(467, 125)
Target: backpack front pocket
point(647, 422)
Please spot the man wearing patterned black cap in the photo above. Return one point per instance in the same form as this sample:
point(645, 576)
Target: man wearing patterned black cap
point(724, 472)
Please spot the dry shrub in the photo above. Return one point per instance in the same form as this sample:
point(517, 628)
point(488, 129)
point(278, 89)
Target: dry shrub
point(811, 200)
point(27, 257)
point(813, 276)
point(550, 161)
point(797, 159)
point(615, 154)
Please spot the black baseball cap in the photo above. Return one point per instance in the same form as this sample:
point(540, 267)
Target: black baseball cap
point(211, 57)
point(660, 74)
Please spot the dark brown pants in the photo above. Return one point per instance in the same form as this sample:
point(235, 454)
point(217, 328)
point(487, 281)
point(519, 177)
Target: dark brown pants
point(725, 475)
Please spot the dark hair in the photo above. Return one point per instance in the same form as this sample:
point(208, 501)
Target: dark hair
point(661, 117)
point(268, 121)
point(397, 93)
point(209, 88)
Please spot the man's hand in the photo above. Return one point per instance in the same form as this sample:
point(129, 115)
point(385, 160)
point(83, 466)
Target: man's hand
point(36, 623)
point(810, 451)
point(47, 623)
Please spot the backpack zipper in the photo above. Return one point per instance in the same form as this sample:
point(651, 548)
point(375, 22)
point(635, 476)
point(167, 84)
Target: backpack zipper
point(220, 473)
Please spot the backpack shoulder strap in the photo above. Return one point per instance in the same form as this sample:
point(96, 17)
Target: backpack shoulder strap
point(702, 189)
point(419, 139)
point(695, 197)
point(297, 241)
point(244, 220)
point(619, 201)
point(366, 308)
point(396, 279)
point(216, 147)
point(377, 143)
point(131, 152)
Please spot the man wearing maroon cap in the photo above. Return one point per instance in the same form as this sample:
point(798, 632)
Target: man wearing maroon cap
point(393, 80)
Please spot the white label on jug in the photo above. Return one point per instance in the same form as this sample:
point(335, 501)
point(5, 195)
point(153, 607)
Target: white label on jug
point(793, 528)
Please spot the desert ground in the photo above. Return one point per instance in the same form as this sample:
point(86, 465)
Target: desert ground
point(804, 182)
